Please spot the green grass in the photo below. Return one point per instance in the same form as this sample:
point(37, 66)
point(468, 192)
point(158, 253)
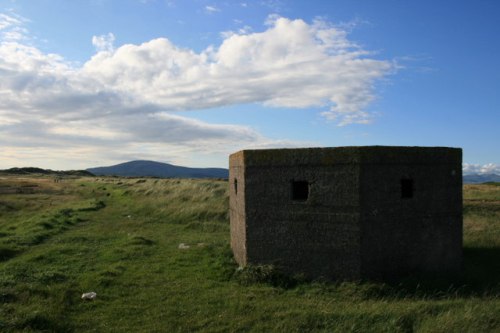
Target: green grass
point(120, 238)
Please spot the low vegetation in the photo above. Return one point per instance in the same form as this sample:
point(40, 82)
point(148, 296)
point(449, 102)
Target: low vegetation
point(156, 252)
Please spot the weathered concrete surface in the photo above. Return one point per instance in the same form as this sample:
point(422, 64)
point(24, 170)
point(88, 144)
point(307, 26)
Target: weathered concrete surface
point(355, 222)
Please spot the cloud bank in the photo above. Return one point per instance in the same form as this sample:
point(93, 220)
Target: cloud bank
point(482, 169)
point(129, 98)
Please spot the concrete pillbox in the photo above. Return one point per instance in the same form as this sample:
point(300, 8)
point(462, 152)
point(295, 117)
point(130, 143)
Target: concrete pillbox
point(348, 213)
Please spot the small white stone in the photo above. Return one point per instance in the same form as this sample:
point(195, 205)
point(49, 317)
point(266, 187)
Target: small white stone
point(89, 296)
point(183, 246)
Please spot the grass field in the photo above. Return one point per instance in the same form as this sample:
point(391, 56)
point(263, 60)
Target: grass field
point(121, 239)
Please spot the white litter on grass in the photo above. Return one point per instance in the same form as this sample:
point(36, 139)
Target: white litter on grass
point(183, 246)
point(89, 296)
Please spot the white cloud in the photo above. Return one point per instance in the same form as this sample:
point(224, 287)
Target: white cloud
point(11, 27)
point(241, 31)
point(481, 168)
point(7, 21)
point(104, 42)
point(272, 19)
point(122, 101)
point(292, 64)
point(211, 9)
point(245, 30)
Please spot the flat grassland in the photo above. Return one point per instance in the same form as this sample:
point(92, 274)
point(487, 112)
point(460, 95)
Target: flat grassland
point(121, 238)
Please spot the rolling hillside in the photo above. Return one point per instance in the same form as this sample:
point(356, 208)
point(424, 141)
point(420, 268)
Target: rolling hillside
point(481, 178)
point(47, 172)
point(157, 169)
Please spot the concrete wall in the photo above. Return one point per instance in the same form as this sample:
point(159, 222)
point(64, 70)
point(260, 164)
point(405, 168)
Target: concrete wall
point(237, 200)
point(354, 222)
point(418, 234)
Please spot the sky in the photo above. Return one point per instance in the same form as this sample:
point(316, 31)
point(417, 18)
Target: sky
point(98, 82)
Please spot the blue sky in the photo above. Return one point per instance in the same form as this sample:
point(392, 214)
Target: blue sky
point(99, 82)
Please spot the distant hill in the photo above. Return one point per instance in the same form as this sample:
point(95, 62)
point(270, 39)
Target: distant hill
point(32, 170)
point(157, 169)
point(481, 178)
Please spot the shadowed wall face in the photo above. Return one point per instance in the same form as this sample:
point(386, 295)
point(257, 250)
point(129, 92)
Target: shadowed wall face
point(411, 212)
point(347, 212)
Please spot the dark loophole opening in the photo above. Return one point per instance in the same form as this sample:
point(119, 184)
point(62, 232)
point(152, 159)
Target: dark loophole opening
point(300, 190)
point(406, 188)
point(236, 186)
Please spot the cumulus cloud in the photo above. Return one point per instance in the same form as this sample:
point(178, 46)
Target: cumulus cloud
point(128, 98)
point(104, 42)
point(490, 168)
point(292, 64)
point(241, 31)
